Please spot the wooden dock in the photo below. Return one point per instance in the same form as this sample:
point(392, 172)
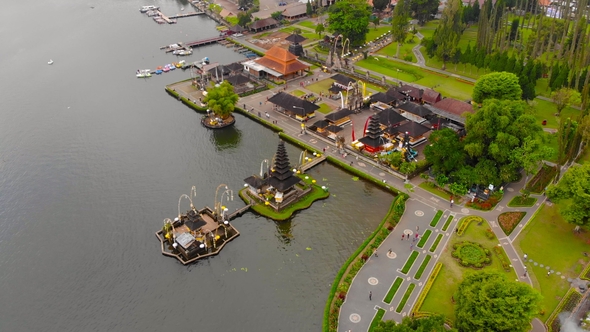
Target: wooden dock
point(239, 212)
point(305, 167)
point(207, 41)
point(167, 19)
point(186, 15)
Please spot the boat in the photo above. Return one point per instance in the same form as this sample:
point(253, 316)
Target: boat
point(171, 66)
point(166, 69)
point(180, 64)
point(153, 13)
point(145, 9)
point(141, 73)
point(181, 8)
point(158, 71)
point(182, 52)
point(50, 62)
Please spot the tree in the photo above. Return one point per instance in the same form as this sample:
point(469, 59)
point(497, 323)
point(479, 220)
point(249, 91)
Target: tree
point(435, 323)
point(319, 29)
point(565, 97)
point(445, 152)
point(407, 167)
point(488, 301)
point(500, 85)
point(380, 4)
point(424, 10)
point(308, 8)
point(375, 21)
point(399, 24)
point(458, 189)
point(530, 154)
point(573, 194)
point(493, 133)
point(447, 34)
point(221, 99)
point(244, 18)
point(351, 19)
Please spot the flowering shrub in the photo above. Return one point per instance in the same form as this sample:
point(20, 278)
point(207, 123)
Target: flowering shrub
point(509, 220)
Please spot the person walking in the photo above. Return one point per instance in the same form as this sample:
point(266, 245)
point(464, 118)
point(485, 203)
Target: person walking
point(417, 228)
point(370, 296)
point(525, 257)
point(403, 236)
point(375, 253)
point(452, 201)
point(389, 252)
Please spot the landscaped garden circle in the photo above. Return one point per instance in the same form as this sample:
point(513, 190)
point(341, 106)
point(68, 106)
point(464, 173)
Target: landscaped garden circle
point(471, 254)
point(509, 220)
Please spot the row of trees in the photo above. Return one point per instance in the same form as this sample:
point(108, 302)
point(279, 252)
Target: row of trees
point(485, 301)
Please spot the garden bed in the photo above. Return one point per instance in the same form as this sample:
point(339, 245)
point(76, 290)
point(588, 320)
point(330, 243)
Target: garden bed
point(542, 179)
point(509, 220)
point(393, 290)
point(471, 254)
point(520, 201)
point(486, 205)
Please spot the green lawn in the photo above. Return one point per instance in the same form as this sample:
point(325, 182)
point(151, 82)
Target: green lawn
point(439, 298)
point(549, 240)
point(395, 70)
point(434, 190)
point(374, 33)
point(321, 86)
point(375, 88)
point(311, 36)
point(307, 24)
point(297, 93)
point(324, 109)
point(545, 110)
point(406, 49)
point(585, 156)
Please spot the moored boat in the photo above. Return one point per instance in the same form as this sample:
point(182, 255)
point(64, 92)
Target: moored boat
point(145, 9)
point(141, 73)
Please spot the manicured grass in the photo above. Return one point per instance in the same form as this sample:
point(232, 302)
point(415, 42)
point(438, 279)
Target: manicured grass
point(405, 50)
point(447, 86)
point(311, 36)
point(375, 88)
point(320, 86)
point(393, 290)
point(545, 110)
point(410, 262)
point(393, 69)
point(307, 24)
point(584, 157)
point(297, 93)
point(422, 267)
point(517, 201)
point(373, 33)
point(436, 218)
point(377, 319)
point(449, 278)
point(407, 294)
point(288, 29)
point(424, 238)
point(436, 242)
point(447, 223)
point(435, 190)
point(550, 241)
point(324, 108)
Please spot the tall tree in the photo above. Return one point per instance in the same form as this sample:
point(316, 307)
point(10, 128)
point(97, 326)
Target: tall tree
point(445, 151)
point(573, 194)
point(399, 24)
point(221, 99)
point(447, 34)
point(499, 85)
point(565, 97)
point(319, 29)
point(488, 301)
point(308, 8)
point(530, 155)
point(424, 10)
point(351, 19)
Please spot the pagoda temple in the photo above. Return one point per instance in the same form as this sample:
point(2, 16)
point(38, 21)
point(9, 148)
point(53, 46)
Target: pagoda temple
point(295, 47)
point(373, 141)
point(282, 178)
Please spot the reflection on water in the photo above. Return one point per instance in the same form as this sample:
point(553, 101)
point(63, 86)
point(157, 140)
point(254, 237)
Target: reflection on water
point(285, 230)
point(226, 138)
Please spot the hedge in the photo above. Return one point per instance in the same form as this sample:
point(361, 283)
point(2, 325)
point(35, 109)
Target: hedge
point(424, 238)
point(377, 319)
point(422, 267)
point(502, 257)
point(435, 244)
point(466, 221)
point(354, 264)
point(586, 273)
point(393, 290)
point(447, 223)
point(570, 301)
point(407, 294)
point(436, 218)
point(409, 262)
point(427, 287)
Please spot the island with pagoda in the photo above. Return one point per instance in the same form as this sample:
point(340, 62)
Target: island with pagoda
point(282, 189)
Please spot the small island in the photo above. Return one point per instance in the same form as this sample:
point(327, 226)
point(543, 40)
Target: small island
point(282, 190)
point(221, 100)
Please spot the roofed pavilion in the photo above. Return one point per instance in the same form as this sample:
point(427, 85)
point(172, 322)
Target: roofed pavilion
point(277, 64)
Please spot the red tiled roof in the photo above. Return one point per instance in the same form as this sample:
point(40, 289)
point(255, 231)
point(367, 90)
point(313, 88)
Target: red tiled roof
point(430, 96)
point(454, 106)
point(281, 60)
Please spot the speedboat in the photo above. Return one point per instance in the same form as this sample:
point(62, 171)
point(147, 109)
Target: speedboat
point(145, 9)
point(183, 52)
point(50, 62)
point(141, 73)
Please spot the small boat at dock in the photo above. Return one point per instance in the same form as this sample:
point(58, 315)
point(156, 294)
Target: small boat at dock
point(145, 9)
point(50, 62)
point(142, 73)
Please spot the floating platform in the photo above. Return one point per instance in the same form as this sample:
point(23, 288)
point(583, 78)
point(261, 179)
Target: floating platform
point(197, 234)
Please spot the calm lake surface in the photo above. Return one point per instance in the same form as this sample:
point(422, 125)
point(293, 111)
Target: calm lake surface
point(92, 160)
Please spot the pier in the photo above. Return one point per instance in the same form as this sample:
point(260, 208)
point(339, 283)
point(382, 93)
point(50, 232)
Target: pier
point(205, 41)
point(186, 15)
point(166, 19)
point(305, 167)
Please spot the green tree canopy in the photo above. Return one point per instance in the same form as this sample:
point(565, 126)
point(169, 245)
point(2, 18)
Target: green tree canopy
point(500, 85)
point(433, 323)
point(380, 4)
point(573, 193)
point(424, 10)
point(319, 29)
point(399, 24)
point(221, 99)
point(447, 34)
point(351, 19)
point(445, 152)
point(565, 97)
point(488, 301)
point(494, 133)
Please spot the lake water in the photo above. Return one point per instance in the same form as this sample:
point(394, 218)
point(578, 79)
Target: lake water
point(92, 160)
